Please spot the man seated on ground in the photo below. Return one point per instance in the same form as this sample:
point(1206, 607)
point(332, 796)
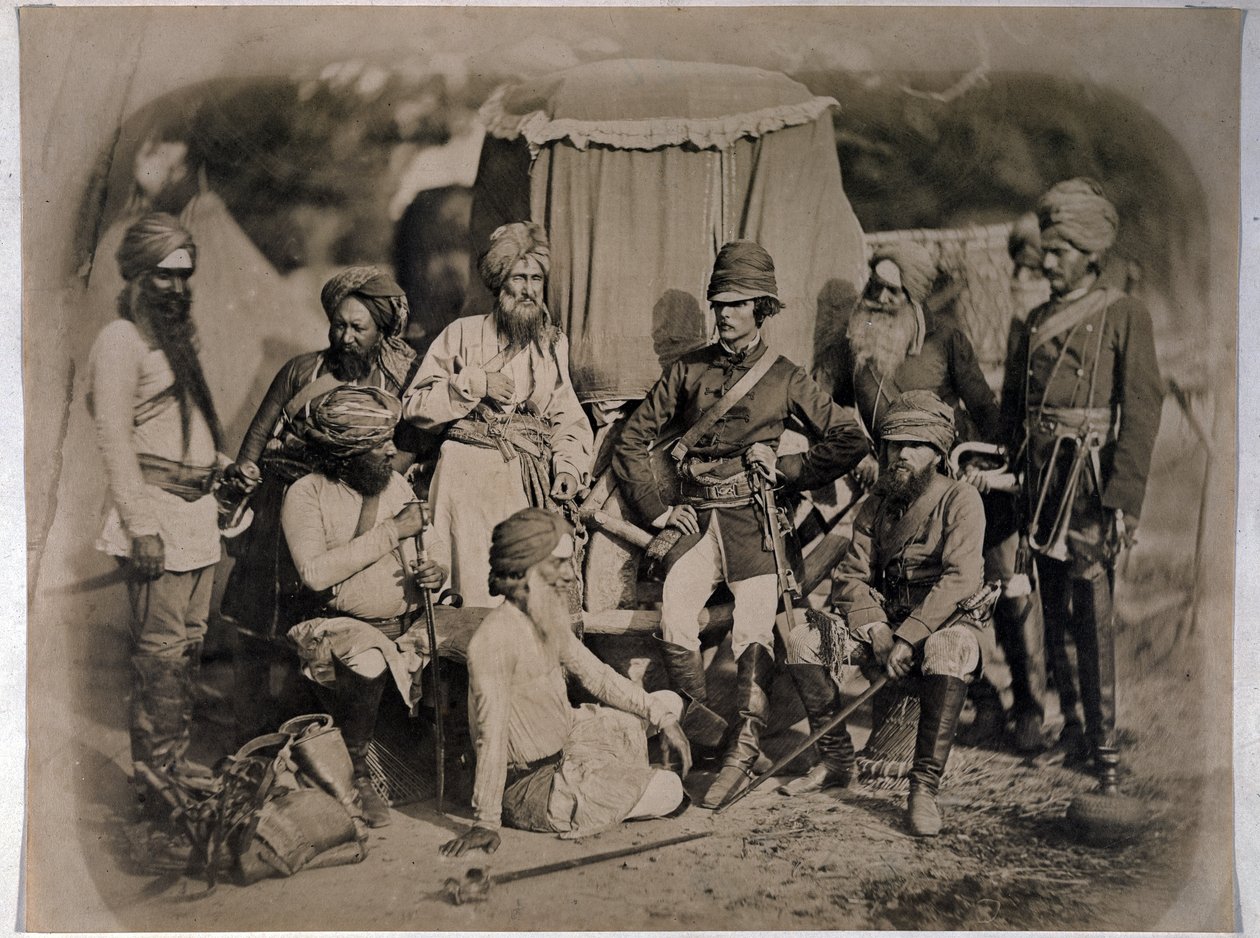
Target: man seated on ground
point(351, 526)
point(916, 554)
point(541, 764)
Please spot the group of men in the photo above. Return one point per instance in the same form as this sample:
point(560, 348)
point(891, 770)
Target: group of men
point(340, 548)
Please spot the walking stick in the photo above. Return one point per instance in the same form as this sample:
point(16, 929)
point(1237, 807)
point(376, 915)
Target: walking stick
point(430, 626)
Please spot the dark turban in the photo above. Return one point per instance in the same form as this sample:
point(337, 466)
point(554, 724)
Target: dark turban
point(510, 243)
point(386, 302)
point(919, 417)
point(742, 271)
point(917, 266)
point(351, 420)
point(1077, 212)
point(1025, 239)
point(149, 241)
point(524, 539)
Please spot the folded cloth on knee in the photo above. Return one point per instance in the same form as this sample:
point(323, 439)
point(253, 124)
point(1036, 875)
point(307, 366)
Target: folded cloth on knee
point(355, 642)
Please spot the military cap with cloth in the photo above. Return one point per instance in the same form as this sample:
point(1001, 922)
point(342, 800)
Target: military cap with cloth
point(742, 271)
point(919, 417)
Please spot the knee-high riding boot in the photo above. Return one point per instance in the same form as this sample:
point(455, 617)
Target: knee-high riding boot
point(357, 703)
point(940, 701)
point(1093, 630)
point(685, 668)
point(755, 671)
point(836, 759)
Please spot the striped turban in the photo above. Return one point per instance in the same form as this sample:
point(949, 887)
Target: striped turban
point(524, 539)
point(919, 417)
point(510, 243)
point(386, 303)
point(150, 240)
point(916, 264)
point(351, 420)
point(1076, 211)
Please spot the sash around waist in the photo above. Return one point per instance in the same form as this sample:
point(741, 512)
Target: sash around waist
point(523, 432)
point(190, 483)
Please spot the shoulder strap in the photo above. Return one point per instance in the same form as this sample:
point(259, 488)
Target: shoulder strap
point(728, 400)
point(891, 540)
point(155, 405)
point(367, 515)
point(308, 392)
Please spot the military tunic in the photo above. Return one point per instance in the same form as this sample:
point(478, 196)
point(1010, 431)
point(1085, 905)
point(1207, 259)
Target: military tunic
point(784, 397)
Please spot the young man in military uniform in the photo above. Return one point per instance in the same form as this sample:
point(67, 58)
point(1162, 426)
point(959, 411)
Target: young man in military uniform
point(717, 511)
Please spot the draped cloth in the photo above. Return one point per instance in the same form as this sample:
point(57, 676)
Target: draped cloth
point(919, 417)
point(352, 420)
point(689, 156)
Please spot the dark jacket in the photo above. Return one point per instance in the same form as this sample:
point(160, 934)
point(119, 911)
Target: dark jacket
point(946, 366)
point(785, 397)
point(1108, 341)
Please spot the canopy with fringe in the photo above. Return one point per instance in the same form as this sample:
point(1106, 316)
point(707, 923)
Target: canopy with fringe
point(640, 170)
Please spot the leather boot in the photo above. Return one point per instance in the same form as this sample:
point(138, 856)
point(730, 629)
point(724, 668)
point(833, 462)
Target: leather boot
point(755, 671)
point(190, 773)
point(358, 702)
point(1093, 630)
point(685, 668)
point(941, 700)
point(836, 759)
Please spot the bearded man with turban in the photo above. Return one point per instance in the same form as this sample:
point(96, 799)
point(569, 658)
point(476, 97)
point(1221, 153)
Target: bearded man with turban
point(543, 765)
point(367, 317)
point(916, 553)
point(497, 388)
point(1084, 369)
point(717, 509)
point(161, 440)
point(351, 526)
point(891, 346)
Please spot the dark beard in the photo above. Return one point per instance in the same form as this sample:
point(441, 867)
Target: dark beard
point(881, 337)
point(349, 362)
point(365, 473)
point(900, 488)
point(167, 317)
point(521, 321)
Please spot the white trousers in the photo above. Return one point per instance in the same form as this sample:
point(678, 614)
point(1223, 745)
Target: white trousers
point(692, 580)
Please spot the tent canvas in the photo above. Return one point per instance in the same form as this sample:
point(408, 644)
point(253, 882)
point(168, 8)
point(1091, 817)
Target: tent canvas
point(640, 170)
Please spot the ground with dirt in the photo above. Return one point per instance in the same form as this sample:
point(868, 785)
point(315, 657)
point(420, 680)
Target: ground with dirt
point(1006, 859)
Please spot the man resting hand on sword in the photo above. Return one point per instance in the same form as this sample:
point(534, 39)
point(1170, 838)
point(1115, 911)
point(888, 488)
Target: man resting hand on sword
point(916, 554)
point(351, 526)
point(724, 536)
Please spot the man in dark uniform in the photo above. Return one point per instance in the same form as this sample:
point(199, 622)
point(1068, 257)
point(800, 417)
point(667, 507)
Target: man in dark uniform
point(891, 347)
point(916, 555)
point(1086, 371)
point(717, 511)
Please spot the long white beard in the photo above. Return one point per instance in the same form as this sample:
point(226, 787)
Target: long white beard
point(548, 609)
point(883, 339)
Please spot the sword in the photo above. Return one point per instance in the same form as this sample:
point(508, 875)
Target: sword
point(430, 625)
point(787, 582)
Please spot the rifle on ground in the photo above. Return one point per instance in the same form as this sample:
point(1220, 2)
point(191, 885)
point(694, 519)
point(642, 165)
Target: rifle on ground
point(969, 606)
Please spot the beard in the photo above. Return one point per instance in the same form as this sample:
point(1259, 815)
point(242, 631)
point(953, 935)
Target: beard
point(548, 608)
point(167, 317)
point(350, 362)
point(520, 320)
point(900, 486)
point(365, 473)
point(881, 336)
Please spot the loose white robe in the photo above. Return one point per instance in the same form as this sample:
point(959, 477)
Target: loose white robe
point(473, 487)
